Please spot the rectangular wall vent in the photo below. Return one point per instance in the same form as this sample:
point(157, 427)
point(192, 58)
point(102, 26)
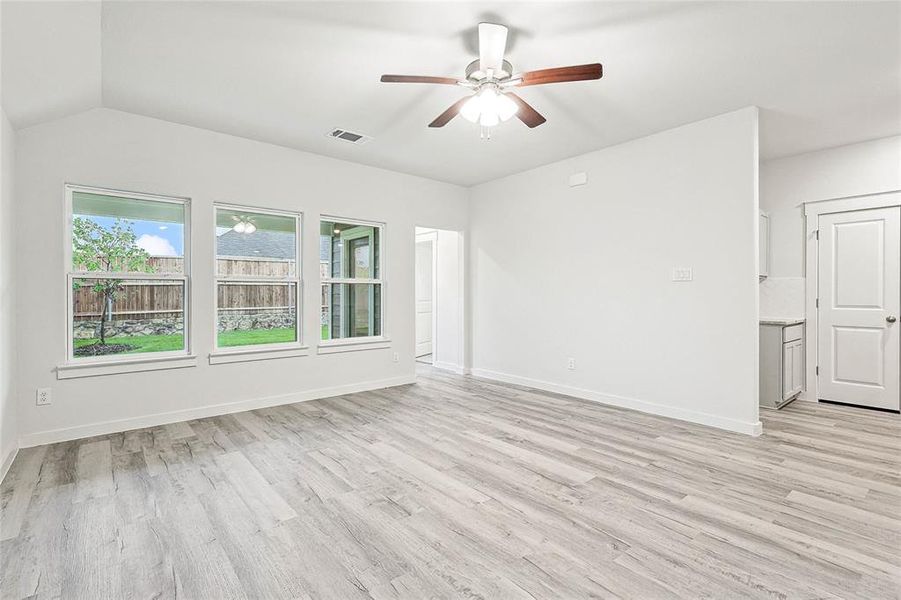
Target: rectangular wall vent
point(349, 136)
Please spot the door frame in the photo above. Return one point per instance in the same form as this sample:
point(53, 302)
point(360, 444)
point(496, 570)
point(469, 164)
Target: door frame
point(812, 212)
point(432, 238)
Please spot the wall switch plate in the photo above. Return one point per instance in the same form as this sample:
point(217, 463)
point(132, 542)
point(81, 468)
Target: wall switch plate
point(578, 179)
point(681, 273)
point(44, 397)
point(395, 357)
point(571, 364)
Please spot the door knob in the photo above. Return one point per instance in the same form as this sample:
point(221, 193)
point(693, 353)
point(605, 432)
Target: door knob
point(891, 318)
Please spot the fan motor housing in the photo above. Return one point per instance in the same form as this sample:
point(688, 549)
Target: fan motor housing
point(476, 75)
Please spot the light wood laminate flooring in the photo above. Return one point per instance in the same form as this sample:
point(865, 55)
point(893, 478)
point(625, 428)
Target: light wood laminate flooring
point(457, 487)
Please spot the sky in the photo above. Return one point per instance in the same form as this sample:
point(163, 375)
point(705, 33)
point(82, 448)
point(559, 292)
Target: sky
point(167, 239)
point(158, 239)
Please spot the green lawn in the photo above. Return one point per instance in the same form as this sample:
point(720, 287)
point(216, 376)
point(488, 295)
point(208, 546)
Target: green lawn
point(142, 343)
point(280, 335)
point(168, 343)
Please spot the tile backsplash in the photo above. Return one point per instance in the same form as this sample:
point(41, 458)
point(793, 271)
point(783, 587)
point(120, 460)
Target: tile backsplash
point(782, 298)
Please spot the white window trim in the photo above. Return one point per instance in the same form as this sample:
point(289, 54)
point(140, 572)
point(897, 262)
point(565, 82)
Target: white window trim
point(252, 352)
point(124, 363)
point(134, 365)
point(353, 344)
point(368, 342)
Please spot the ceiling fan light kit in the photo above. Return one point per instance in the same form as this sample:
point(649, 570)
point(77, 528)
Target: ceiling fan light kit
point(243, 225)
point(490, 77)
point(488, 107)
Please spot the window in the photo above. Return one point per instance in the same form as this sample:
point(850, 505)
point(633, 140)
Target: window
point(128, 274)
point(351, 272)
point(257, 277)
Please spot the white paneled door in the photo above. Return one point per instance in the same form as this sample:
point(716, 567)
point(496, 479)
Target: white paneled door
point(424, 286)
point(859, 300)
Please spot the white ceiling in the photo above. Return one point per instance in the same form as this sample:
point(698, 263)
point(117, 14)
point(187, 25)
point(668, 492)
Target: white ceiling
point(824, 74)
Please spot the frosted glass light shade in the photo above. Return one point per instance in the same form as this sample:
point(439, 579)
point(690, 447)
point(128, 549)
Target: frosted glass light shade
point(488, 119)
point(471, 109)
point(506, 108)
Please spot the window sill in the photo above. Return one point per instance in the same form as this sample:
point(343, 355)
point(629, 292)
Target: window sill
point(94, 369)
point(353, 345)
point(224, 357)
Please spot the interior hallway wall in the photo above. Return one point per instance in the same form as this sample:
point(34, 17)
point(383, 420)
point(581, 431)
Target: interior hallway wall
point(426, 240)
point(449, 331)
point(448, 302)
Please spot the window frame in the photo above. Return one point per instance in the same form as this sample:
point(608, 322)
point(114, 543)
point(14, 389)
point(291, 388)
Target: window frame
point(72, 275)
point(381, 280)
point(297, 280)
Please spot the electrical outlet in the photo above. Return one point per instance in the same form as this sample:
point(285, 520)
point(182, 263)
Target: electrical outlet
point(571, 364)
point(395, 357)
point(44, 397)
point(681, 273)
point(577, 179)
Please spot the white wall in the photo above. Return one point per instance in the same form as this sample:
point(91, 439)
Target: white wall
point(8, 405)
point(123, 151)
point(786, 183)
point(585, 272)
point(448, 343)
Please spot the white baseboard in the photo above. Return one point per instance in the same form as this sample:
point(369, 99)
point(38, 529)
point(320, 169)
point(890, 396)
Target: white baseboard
point(8, 462)
point(662, 410)
point(447, 366)
point(82, 431)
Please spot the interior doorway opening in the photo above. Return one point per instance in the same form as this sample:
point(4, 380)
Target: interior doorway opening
point(439, 298)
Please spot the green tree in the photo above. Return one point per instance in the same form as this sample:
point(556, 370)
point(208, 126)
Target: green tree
point(95, 248)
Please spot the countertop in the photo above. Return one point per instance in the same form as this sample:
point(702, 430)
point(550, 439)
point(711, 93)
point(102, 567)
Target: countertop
point(781, 322)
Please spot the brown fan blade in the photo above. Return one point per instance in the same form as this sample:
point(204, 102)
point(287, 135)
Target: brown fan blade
point(445, 117)
point(526, 113)
point(562, 74)
point(418, 79)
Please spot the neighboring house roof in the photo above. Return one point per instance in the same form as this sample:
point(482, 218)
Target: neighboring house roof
point(259, 244)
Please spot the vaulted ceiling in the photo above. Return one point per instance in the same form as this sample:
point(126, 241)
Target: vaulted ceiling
point(823, 74)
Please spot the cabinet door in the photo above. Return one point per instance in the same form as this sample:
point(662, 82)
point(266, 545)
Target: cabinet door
point(787, 370)
point(797, 367)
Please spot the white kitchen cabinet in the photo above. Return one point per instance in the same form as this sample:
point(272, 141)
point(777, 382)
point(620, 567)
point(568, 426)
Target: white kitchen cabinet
point(798, 368)
point(792, 369)
point(764, 246)
point(781, 362)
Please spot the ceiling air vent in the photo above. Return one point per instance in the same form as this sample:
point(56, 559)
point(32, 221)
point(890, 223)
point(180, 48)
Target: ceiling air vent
point(348, 136)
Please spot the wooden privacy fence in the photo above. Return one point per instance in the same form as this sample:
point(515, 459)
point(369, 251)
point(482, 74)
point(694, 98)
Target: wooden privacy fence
point(245, 296)
point(138, 300)
point(256, 268)
point(157, 299)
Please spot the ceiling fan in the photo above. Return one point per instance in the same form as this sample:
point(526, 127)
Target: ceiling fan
point(491, 77)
